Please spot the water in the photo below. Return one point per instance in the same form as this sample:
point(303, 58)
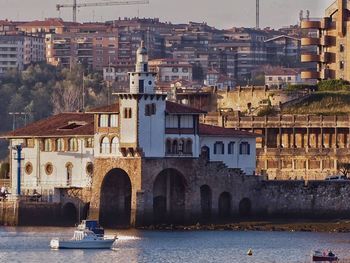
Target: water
point(31, 245)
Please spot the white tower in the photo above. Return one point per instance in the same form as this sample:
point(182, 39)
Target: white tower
point(142, 81)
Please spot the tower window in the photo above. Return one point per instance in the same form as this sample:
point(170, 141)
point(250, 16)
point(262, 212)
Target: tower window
point(127, 113)
point(145, 67)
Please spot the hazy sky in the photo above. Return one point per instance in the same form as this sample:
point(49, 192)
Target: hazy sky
point(219, 13)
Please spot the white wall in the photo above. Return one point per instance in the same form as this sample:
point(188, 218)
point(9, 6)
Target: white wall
point(39, 180)
point(128, 127)
point(245, 162)
point(151, 129)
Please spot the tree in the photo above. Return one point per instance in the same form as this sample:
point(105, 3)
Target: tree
point(344, 168)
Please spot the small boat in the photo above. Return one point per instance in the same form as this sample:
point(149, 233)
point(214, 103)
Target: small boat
point(84, 239)
point(324, 256)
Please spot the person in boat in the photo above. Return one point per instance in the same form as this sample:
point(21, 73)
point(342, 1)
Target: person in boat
point(330, 253)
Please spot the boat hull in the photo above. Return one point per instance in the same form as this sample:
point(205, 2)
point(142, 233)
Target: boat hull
point(324, 258)
point(81, 244)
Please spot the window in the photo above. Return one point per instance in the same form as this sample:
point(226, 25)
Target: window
point(48, 168)
point(188, 147)
point(60, 145)
point(150, 109)
point(174, 148)
point(30, 143)
point(186, 121)
point(127, 113)
point(219, 148)
point(231, 148)
point(115, 145)
point(289, 78)
point(175, 70)
point(114, 120)
point(105, 145)
point(89, 142)
point(103, 120)
point(69, 167)
point(270, 78)
point(28, 168)
point(171, 121)
point(341, 48)
point(47, 145)
point(89, 168)
point(341, 65)
point(244, 148)
point(73, 145)
point(168, 146)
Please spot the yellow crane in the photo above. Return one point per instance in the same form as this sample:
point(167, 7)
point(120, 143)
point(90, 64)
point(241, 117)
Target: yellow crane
point(75, 5)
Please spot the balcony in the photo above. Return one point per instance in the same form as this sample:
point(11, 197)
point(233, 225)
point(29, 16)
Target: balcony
point(325, 23)
point(310, 58)
point(327, 57)
point(311, 24)
point(310, 74)
point(310, 41)
point(328, 41)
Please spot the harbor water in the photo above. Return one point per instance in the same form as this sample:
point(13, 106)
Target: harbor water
point(24, 244)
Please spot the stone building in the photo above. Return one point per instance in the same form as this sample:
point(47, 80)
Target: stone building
point(305, 147)
point(153, 160)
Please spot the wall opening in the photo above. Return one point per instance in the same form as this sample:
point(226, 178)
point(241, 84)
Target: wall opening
point(115, 203)
point(206, 202)
point(69, 214)
point(245, 207)
point(169, 197)
point(225, 205)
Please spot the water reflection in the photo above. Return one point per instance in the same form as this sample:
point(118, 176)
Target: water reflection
point(31, 245)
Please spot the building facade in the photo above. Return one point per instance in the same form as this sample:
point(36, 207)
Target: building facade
point(331, 43)
point(153, 161)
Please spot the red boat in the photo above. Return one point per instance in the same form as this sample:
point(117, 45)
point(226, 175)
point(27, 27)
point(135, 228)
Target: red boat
point(324, 256)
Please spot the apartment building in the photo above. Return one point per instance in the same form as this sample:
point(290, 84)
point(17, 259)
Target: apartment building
point(331, 43)
point(16, 51)
point(169, 70)
point(94, 50)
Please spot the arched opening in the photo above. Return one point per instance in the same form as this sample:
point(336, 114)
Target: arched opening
point(115, 145)
point(115, 203)
point(168, 146)
point(174, 147)
point(206, 201)
point(245, 207)
point(69, 173)
point(169, 197)
point(205, 153)
point(225, 205)
point(105, 147)
point(69, 214)
point(188, 146)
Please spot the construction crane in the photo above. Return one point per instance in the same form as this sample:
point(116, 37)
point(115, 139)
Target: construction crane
point(257, 21)
point(75, 5)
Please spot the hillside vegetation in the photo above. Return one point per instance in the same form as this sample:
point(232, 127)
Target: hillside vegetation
point(329, 97)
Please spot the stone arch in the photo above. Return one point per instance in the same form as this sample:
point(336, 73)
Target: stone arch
point(245, 207)
point(206, 201)
point(69, 214)
point(224, 205)
point(169, 193)
point(115, 202)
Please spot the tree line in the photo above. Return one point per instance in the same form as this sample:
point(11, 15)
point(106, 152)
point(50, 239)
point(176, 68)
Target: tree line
point(42, 90)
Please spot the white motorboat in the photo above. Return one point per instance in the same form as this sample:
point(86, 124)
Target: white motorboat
point(84, 239)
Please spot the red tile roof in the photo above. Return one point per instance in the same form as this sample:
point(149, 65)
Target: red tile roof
point(209, 130)
point(113, 108)
point(64, 124)
point(176, 108)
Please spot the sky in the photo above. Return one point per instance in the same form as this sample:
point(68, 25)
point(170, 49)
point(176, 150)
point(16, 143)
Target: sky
point(219, 13)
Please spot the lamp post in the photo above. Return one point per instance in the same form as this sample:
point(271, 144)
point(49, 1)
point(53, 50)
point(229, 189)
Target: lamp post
point(18, 158)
